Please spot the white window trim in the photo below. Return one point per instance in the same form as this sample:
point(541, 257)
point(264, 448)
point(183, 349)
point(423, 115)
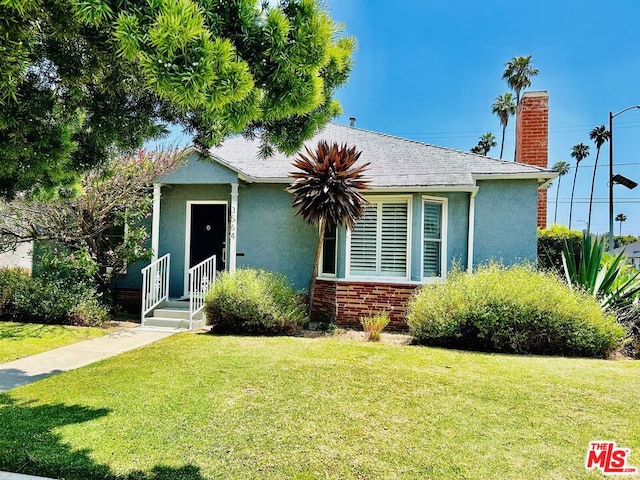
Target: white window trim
point(321, 273)
point(187, 235)
point(383, 199)
point(444, 201)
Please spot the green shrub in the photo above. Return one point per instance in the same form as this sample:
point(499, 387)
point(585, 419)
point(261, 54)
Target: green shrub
point(516, 310)
point(48, 300)
point(551, 241)
point(12, 280)
point(254, 302)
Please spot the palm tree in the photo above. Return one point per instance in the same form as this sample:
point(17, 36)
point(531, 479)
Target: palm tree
point(562, 168)
point(503, 107)
point(599, 135)
point(326, 191)
point(518, 72)
point(579, 152)
point(621, 217)
point(486, 143)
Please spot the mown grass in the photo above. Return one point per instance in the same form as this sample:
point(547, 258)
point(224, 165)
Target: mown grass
point(206, 407)
point(19, 340)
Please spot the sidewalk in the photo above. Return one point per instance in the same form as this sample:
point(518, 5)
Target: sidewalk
point(18, 476)
point(30, 369)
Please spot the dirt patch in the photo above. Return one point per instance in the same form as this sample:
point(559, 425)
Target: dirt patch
point(356, 336)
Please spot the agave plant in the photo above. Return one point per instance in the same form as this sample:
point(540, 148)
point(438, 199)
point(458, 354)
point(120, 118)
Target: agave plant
point(326, 191)
point(609, 281)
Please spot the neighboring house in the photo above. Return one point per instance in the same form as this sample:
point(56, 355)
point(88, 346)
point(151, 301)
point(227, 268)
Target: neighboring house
point(632, 252)
point(430, 209)
point(21, 257)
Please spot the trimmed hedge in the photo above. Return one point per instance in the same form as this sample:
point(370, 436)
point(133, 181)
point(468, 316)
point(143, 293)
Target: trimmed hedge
point(514, 310)
point(254, 302)
point(551, 243)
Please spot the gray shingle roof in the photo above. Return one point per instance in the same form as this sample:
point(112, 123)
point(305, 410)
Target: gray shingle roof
point(395, 162)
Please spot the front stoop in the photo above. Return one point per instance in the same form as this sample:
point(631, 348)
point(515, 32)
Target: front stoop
point(174, 314)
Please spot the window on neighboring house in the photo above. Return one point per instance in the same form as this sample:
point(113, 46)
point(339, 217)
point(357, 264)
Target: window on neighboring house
point(379, 242)
point(328, 258)
point(433, 238)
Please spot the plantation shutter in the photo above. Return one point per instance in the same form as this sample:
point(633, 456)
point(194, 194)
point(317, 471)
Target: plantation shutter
point(432, 248)
point(363, 242)
point(379, 241)
point(393, 243)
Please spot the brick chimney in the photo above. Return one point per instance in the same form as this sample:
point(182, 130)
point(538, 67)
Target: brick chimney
point(532, 139)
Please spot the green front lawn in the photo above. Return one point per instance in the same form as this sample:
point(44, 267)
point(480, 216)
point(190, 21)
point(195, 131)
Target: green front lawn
point(204, 407)
point(19, 340)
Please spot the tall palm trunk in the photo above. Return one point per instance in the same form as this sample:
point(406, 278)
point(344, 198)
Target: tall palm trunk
point(504, 128)
point(572, 190)
point(593, 182)
point(555, 214)
point(316, 264)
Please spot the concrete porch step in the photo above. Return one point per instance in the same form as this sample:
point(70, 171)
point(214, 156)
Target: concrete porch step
point(164, 312)
point(179, 304)
point(177, 323)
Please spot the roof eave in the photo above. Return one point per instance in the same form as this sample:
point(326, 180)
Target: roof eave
point(544, 177)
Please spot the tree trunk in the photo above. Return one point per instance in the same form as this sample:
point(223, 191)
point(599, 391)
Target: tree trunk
point(316, 264)
point(593, 182)
point(504, 127)
point(555, 215)
point(572, 190)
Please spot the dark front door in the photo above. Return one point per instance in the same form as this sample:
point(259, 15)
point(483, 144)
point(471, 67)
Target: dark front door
point(208, 233)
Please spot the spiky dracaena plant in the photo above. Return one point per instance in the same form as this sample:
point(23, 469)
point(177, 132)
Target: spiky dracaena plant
point(326, 191)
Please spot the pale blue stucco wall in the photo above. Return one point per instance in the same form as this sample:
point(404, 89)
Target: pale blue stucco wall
point(505, 223)
point(200, 170)
point(271, 237)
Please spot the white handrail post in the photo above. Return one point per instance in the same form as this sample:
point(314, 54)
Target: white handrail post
point(155, 284)
point(202, 278)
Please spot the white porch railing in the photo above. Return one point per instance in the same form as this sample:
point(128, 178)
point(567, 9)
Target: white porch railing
point(155, 284)
point(202, 278)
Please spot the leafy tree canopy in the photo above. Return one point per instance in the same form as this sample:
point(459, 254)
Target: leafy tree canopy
point(79, 78)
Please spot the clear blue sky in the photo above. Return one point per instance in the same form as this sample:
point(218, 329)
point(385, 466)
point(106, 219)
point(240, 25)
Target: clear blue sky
point(430, 70)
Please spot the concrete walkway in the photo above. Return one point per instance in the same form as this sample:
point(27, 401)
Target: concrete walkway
point(18, 476)
point(30, 369)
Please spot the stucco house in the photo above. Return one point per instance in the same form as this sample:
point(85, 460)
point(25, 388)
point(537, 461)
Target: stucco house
point(430, 208)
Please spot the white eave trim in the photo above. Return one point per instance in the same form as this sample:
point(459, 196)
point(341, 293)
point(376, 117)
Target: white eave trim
point(545, 176)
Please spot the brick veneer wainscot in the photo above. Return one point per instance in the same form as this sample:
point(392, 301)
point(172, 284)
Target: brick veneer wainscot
point(346, 301)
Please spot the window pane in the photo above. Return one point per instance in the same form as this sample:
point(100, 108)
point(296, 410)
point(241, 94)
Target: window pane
point(363, 242)
point(431, 259)
point(432, 220)
point(432, 247)
point(329, 251)
point(393, 247)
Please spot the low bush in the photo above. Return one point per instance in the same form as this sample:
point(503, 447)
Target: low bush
point(254, 302)
point(515, 310)
point(48, 300)
point(373, 325)
point(12, 280)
